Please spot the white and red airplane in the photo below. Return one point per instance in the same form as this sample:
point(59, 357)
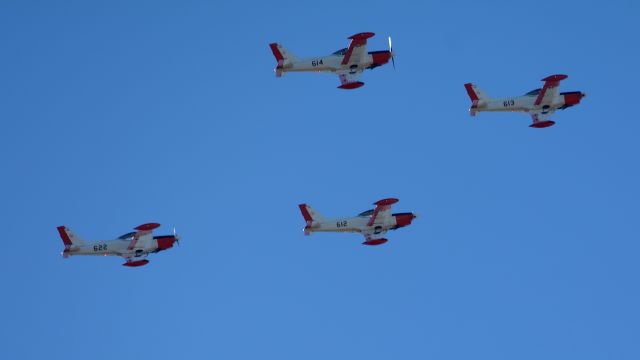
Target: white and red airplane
point(373, 224)
point(539, 103)
point(133, 246)
point(347, 63)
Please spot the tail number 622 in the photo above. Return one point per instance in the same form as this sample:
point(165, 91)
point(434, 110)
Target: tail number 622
point(101, 247)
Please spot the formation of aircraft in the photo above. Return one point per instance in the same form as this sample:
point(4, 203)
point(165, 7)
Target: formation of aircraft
point(348, 63)
point(133, 246)
point(539, 103)
point(372, 224)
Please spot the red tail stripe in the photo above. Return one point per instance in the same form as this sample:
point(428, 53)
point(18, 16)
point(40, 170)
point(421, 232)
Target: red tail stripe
point(472, 94)
point(276, 52)
point(63, 234)
point(305, 212)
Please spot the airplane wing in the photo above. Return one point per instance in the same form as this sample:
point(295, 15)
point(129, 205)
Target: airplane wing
point(550, 89)
point(143, 236)
point(349, 80)
point(133, 261)
point(541, 119)
point(372, 238)
point(357, 49)
point(382, 212)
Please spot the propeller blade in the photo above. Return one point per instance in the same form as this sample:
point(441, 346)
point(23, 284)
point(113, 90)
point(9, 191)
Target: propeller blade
point(175, 236)
point(393, 60)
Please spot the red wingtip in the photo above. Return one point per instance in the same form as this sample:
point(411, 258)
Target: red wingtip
point(362, 36)
point(542, 124)
point(375, 242)
point(388, 201)
point(352, 85)
point(136, 263)
point(147, 227)
point(557, 77)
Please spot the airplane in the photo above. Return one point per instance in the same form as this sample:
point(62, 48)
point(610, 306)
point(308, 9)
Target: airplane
point(347, 63)
point(373, 224)
point(539, 103)
point(133, 246)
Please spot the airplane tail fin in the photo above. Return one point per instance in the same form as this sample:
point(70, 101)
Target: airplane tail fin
point(69, 238)
point(476, 95)
point(310, 216)
point(283, 56)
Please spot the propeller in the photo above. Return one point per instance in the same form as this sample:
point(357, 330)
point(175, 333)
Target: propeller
point(393, 61)
point(176, 236)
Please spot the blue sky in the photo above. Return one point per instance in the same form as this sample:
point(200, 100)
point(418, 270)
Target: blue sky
point(117, 113)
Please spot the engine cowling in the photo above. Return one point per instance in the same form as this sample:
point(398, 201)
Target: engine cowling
point(165, 242)
point(404, 219)
point(572, 98)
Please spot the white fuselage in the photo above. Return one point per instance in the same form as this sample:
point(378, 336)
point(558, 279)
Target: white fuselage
point(331, 63)
point(518, 104)
point(351, 224)
point(118, 247)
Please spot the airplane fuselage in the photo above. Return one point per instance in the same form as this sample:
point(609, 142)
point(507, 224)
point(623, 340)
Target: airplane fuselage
point(527, 103)
point(360, 224)
point(333, 63)
point(119, 247)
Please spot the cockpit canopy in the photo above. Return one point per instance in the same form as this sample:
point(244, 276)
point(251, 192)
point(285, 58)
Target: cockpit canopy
point(127, 236)
point(533, 92)
point(366, 213)
point(340, 52)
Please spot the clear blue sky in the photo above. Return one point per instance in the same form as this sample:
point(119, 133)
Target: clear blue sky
point(116, 113)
